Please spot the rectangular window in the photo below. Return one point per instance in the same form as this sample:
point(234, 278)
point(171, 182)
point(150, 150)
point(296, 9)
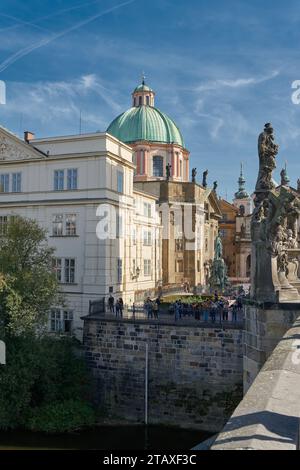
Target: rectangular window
point(119, 268)
point(70, 225)
point(57, 268)
point(58, 180)
point(67, 321)
point(72, 178)
point(179, 266)
point(3, 224)
point(147, 267)
point(69, 270)
point(57, 225)
point(119, 226)
point(4, 183)
point(147, 238)
point(120, 181)
point(147, 209)
point(16, 182)
point(55, 323)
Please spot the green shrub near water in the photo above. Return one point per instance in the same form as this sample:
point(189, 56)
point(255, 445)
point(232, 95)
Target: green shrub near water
point(64, 416)
point(44, 381)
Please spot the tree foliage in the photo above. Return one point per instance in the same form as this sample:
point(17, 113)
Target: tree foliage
point(28, 286)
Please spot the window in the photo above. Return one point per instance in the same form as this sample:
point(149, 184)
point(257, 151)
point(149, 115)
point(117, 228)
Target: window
point(140, 101)
point(55, 323)
point(67, 321)
point(3, 224)
point(69, 270)
point(120, 182)
point(57, 268)
point(158, 166)
point(134, 236)
point(58, 180)
point(16, 182)
point(179, 266)
point(70, 225)
point(147, 238)
point(147, 209)
point(57, 225)
point(148, 100)
point(4, 183)
point(206, 244)
point(147, 267)
point(119, 270)
point(119, 226)
point(72, 178)
point(61, 321)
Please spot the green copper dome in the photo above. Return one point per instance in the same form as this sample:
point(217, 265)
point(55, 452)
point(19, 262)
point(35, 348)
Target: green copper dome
point(145, 123)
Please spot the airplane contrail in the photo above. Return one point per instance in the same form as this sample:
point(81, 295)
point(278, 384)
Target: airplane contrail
point(26, 50)
point(41, 18)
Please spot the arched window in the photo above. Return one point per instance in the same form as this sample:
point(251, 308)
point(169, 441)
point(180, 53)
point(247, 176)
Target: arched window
point(147, 100)
point(134, 102)
point(140, 101)
point(158, 165)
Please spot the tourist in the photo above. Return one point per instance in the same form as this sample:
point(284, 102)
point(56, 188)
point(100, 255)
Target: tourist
point(225, 311)
point(216, 298)
point(158, 302)
point(133, 310)
point(206, 311)
point(111, 304)
point(213, 311)
point(117, 308)
point(149, 308)
point(121, 306)
point(234, 312)
point(155, 310)
point(176, 310)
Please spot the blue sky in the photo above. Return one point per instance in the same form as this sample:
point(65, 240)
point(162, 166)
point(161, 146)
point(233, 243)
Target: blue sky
point(220, 69)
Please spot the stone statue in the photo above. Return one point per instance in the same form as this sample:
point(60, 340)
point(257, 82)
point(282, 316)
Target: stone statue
point(194, 174)
point(273, 229)
point(267, 151)
point(215, 185)
point(204, 179)
point(168, 171)
point(298, 185)
point(284, 177)
point(218, 277)
point(218, 247)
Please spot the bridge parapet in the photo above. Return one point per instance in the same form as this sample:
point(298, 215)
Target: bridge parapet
point(269, 415)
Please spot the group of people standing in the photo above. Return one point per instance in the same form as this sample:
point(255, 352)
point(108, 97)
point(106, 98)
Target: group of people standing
point(151, 307)
point(208, 310)
point(116, 307)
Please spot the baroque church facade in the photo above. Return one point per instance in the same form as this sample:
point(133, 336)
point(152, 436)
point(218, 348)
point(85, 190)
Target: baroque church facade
point(135, 178)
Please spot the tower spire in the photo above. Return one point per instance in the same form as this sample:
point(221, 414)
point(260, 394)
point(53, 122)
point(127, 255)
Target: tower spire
point(241, 193)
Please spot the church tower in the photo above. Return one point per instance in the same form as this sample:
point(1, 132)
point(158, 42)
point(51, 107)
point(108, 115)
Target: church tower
point(242, 200)
point(159, 150)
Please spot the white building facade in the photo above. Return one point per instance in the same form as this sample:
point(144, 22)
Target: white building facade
point(75, 186)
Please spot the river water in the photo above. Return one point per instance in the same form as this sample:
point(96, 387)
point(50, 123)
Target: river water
point(106, 438)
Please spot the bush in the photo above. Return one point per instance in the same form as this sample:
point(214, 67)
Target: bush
point(40, 372)
point(62, 416)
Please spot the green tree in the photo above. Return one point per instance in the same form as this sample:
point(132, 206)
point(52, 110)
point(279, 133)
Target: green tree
point(28, 286)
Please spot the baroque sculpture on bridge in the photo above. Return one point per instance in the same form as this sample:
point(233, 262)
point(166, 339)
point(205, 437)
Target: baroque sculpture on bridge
point(273, 230)
point(218, 278)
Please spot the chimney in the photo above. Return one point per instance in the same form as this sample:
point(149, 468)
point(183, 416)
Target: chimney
point(28, 136)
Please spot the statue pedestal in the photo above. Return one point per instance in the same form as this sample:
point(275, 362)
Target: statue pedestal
point(267, 283)
point(293, 267)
